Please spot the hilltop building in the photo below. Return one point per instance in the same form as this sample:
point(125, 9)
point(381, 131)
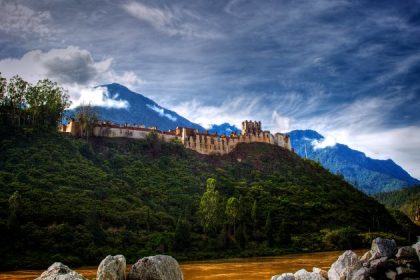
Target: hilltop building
point(203, 143)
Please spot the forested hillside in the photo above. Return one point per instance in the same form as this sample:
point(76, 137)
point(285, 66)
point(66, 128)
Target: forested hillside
point(407, 200)
point(64, 199)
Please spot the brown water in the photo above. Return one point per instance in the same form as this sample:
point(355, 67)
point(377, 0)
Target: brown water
point(233, 269)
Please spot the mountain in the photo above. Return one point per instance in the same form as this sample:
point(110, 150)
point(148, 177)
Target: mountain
point(224, 128)
point(406, 200)
point(140, 110)
point(68, 200)
point(367, 174)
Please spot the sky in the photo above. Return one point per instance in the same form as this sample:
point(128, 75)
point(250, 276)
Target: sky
point(347, 69)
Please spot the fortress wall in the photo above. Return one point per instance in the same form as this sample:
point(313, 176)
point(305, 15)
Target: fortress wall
point(190, 138)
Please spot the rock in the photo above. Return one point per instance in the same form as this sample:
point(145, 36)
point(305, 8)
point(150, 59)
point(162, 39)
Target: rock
point(284, 276)
point(305, 275)
point(406, 252)
point(406, 271)
point(321, 272)
point(360, 274)
point(366, 257)
point(159, 267)
point(112, 268)
point(417, 248)
point(385, 247)
point(59, 271)
point(344, 266)
point(390, 274)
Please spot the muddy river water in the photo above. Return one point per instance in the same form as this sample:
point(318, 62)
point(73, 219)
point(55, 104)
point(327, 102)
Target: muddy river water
point(233, 269)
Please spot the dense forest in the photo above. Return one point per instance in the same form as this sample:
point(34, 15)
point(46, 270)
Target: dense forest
point(406, 200)
point(77, 200)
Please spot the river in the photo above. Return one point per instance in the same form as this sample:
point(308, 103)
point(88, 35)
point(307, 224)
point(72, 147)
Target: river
point(233, 269)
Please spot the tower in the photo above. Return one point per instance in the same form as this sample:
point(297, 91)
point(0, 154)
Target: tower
point(251, 127)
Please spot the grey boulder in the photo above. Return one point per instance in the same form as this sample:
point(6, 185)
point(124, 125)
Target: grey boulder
point(345, 265)
point(284, 276)
point(159, 267)
point(112, 268)
point(59, 271)
point(384, 247)
point(306, 275)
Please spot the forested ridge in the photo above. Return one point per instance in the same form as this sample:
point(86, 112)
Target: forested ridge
point(406, 200)
point(76, 200)
point(66, 199)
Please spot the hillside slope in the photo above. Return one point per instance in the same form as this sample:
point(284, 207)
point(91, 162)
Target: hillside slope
point(407, 200)
point(367, 174)
point(62, 199)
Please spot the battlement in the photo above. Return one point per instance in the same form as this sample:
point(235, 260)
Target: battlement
point(203, 143)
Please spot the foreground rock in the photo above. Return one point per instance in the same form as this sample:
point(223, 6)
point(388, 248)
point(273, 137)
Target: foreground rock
point(346, 265)
point(383, 261)
point(112, 268)
point(158, 267)
point(303, 274)
point(384, 247)
point(59, 271)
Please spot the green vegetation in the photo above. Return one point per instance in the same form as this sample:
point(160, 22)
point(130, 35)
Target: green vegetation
point(406, 200)
point(27, 107)
point(66, 199)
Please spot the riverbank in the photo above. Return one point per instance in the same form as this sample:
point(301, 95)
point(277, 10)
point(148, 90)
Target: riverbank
point(234, 269)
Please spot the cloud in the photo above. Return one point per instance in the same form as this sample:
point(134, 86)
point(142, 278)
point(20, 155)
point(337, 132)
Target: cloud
point(161, 112)
point(328, 141)
point(20, 20)
point(73, 68)
point(98, 96)
point(172, 21)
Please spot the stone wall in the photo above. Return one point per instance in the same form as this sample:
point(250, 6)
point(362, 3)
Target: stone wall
point(203, 143)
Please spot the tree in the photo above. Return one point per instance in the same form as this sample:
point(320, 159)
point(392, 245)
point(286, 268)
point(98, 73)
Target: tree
point(232, 212)
point(87, 117)
point(182, 237)
point(209, 207)
point(254, 217)
point(14, 208)
point(269, 229)
point(23, 105)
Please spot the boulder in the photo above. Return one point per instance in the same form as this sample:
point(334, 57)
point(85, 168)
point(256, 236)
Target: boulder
point(59, 271)
point(321, 272)
point(305, 275)
point(417, 248)
point(404, 272)
point(159, 267)
point(385, 247)
point(284, 276)
point(406, 252)
point(112, 268)
point(347, 263)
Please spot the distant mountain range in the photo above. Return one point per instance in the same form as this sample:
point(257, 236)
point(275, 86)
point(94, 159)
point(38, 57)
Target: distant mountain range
point(367, 174)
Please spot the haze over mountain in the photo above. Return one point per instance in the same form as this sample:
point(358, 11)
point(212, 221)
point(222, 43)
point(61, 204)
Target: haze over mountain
point(367, 174)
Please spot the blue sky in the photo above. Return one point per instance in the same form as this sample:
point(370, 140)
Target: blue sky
point(348, 69)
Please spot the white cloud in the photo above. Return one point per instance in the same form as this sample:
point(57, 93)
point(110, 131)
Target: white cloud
point(73, 68)
point(17, 19)
point(328, 141)
point(172, 21)
point(161, 112)
point(98, 96)
point(280, 122)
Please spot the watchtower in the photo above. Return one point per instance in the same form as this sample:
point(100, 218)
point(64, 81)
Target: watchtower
point(251, 127)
